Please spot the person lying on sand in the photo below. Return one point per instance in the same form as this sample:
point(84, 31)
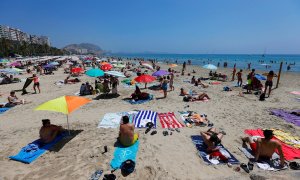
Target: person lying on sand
point(127, 137)
point(182, 92)
point(138, 95)
point(263, 148)
point(212, 138)
point(198, 82)
point(71, 81)
point(196, 118)
point(13, 100)
point(49, 132)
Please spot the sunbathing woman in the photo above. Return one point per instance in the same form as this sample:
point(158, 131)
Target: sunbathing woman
point(183, 92)
point(212, 138)
point(200, 97)
point(196, 118)
point(138, 95)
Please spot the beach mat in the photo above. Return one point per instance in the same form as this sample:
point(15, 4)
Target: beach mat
point(139, 101)
point(271, 165)
point(287, 116)
point(112, 120)
point(287, 138)
point(295, 92)
point(143, 117)
point(168, 120)
point(289, 152)
point(122, 154)
point(32, 151)
point(3, 110)
point(201, 147)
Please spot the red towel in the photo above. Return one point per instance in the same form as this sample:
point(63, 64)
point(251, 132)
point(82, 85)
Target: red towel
point(289, 152)
point(168, 120)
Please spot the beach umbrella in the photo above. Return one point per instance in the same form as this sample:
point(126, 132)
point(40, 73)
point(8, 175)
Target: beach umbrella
point(173, 65)
point(48, 66)
point(210, 66)
point(160, 73)
point(11, 70)
point(106, 67)
point(76, 70)
point(64, 104)
point(144, 78)
point(94, 72)
point(4, 61)
point(103, 63)
point(54, 63)
point(15, 63)
point(147, 65)
point(115, 73)
point(119, 65)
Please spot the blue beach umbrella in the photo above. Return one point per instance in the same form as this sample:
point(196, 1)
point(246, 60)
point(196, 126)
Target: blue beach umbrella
point(94, 72)
point(210, 66)
point(160, 73)
point(54, 63)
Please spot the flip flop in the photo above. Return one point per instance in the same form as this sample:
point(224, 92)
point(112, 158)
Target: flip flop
point(210, 124)
point(250, 165)
point(171, 129)
point(96, 175)
point(176, 129)
point(165, 133)
point(244, 166)
point(153, 132)
point(147, 130)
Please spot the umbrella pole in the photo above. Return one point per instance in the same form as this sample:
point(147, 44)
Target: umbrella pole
point(68, 125)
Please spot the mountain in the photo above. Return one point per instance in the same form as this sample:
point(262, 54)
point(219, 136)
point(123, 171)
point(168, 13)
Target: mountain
point(84, 48)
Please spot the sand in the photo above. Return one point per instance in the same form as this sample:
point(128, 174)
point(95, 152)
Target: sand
point(159, 157)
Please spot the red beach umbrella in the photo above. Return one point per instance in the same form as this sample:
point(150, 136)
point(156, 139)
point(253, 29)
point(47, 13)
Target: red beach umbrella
point(106, 67)
point(77, 70)
point(145, 78)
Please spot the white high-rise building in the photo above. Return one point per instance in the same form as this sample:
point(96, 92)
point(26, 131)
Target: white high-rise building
point(4, 32)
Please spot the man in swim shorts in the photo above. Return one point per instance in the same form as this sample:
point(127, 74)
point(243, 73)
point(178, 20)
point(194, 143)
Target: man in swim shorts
point(263, 148)
point(269, 82)
point(127, 137)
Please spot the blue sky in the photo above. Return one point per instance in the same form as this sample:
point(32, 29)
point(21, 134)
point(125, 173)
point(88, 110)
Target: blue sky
point(171, 26)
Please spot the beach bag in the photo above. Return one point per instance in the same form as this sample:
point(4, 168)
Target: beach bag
point(262, 97)
point(127, 167)
point(226, 88)
point(186, 99)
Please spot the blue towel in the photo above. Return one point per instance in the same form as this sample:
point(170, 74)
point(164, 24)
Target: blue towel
point(201, 147)
point(2, 110)
point(140, 101)
point(34, 150)
point(122, 154)
point(260, 77)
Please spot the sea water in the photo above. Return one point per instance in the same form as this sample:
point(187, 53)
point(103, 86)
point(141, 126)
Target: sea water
point(241, 60)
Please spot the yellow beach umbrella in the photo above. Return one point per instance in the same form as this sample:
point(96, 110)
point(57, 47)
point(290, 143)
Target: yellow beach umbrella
point(64, 104)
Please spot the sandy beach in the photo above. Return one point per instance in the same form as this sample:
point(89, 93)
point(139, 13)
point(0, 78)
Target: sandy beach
point(159, 157)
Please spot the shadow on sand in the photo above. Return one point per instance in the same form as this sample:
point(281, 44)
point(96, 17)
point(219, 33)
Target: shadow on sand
point(58, 146)
point(106, 96)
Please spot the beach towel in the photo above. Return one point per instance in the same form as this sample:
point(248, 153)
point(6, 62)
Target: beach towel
point(122, 154)
point(168, 120)
point(2, 110)
point(295, 92)
point(201, 147)
point(287, 116)
point(260, 77)
point(32, 151)
point(271, 165)
point(287, 138)
point(215, 83)
point(143, 117)
point(139, 101)
point(289, 152)
point(112, 120)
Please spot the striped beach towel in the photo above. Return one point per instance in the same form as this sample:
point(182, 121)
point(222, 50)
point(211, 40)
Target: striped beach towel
point(143, 117)
point(168, 120)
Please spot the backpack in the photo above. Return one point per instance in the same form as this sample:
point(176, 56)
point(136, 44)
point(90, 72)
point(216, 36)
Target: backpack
point(262, 97)
point(127, 167)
